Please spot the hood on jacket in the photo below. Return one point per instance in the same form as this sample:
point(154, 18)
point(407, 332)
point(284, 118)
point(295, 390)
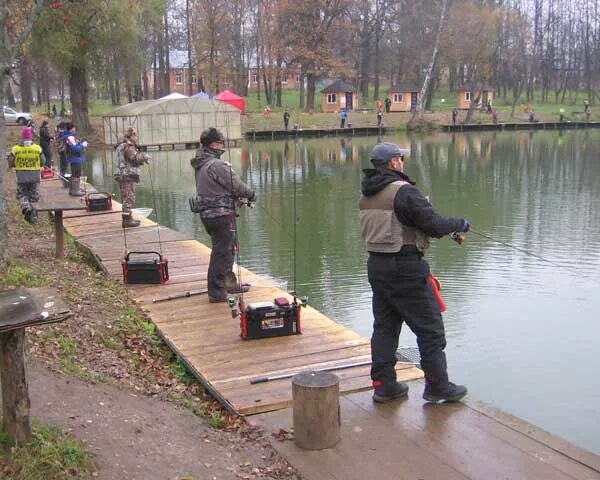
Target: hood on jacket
point(376, 179)
point(203, 155)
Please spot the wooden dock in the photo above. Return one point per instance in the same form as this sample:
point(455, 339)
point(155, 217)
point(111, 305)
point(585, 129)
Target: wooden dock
point(469, 127)
point(404, 439)
point(203, 334)
point(314, 132)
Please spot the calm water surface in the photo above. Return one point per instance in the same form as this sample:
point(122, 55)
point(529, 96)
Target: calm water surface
point(523, 333)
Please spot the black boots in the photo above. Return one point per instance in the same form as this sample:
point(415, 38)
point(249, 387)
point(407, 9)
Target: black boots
point(450, 393)
point(30, 214)
point(383, 394)
point(127, 221)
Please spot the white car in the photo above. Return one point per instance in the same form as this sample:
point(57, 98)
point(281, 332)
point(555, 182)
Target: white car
point(12, 116)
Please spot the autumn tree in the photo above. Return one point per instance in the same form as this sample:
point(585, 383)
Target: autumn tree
point(313, 29)
point(468, 44)
point(17, 18)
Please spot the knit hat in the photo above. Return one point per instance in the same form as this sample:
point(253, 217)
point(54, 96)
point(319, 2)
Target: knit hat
point(211, 135)
point(27, 134)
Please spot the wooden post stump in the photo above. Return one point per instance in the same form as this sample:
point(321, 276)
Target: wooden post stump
point(316, 410)
point(15, 393)
point(21, 308)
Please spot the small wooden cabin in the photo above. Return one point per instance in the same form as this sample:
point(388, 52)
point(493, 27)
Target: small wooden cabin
point(337, 96)
point(468, 93)
point(404, 98)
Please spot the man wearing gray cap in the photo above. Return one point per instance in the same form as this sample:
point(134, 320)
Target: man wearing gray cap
point(397, 222)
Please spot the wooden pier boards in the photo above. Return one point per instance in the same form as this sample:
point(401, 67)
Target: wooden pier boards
point(206, 337)
point(402, 439)
point(409, 439)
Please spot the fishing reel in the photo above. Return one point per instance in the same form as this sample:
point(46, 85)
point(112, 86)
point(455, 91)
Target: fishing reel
point(457, 237)
point(244, 202)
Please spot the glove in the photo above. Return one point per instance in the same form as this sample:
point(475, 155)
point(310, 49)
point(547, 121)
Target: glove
point(84, 143)
point(465, 227)
point(252, 197)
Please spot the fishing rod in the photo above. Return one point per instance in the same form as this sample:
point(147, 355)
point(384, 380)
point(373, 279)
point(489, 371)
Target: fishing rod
point(256, 380)
point(179, 295)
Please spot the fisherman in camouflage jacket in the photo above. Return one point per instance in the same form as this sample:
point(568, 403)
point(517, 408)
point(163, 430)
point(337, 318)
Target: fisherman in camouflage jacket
point(130, 161)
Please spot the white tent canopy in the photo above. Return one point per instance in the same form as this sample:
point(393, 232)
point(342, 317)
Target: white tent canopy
point(173, 95)
point(171, 121)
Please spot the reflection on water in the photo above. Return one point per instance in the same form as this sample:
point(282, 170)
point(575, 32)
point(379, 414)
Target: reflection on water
point(522, 332)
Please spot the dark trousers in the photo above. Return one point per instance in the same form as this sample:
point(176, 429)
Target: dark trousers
point(222, 237)
point(401, 294)
point(47, 154)
point(342, 122)
point(63, 163)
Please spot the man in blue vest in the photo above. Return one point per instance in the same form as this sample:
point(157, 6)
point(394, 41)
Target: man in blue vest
point(397, 222)
point(27, 159)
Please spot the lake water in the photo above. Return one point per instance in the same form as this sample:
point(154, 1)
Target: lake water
point(523, 319)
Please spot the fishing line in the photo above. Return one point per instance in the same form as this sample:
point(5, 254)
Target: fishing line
point(527, 252)
point(234, 218)
point(155, 209)
point(294, 212)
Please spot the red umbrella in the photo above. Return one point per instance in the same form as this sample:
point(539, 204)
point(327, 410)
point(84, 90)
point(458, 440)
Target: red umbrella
point(232, 99)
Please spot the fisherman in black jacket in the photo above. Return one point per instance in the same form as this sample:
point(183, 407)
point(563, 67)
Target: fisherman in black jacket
point(396, 223)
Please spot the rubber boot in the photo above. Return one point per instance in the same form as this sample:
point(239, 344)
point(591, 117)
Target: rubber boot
point(127, 221)
point(74, 189)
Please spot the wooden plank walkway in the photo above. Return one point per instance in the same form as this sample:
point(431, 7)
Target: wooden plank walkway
point(405, 439)
point(204, 335)
point(408, 439)
point(460, 127)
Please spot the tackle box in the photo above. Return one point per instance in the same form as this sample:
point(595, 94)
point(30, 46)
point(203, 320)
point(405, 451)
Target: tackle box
point(145, 268)
point(98, 201)
point(270, 319)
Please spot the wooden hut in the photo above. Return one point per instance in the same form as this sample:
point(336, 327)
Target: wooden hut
point(469, 93)
point(339, 95)
point(404, 98)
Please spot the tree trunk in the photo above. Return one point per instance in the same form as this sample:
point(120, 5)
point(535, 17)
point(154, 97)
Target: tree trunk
point(15, 395)
point(3, 209)
point(25, 72)
point(8, 94)
point(301, 96)
point(79, 97)
point(425, 88)
point(188, 37)
point(310, 92)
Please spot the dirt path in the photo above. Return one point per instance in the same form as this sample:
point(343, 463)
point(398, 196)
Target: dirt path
point(140, 437)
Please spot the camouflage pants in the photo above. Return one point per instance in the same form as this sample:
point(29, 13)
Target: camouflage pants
point(28, 193)
point(127, 193)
